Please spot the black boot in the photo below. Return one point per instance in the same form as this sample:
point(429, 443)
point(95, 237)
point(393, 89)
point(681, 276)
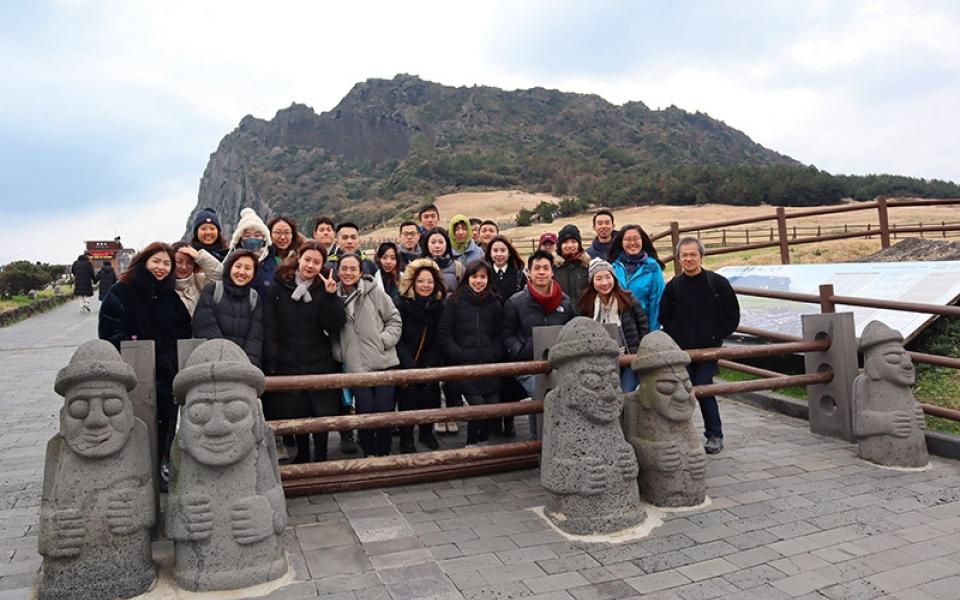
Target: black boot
point(406, 440)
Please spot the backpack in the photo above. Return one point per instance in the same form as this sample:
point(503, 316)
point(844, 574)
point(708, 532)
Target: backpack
point(218, 295)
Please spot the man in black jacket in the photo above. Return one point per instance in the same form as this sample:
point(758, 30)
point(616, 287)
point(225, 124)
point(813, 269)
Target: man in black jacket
point(541, 303)
point(83, 276)
point(698, 309)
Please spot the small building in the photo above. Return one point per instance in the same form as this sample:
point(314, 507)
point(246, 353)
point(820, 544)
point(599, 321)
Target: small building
point(105, 251)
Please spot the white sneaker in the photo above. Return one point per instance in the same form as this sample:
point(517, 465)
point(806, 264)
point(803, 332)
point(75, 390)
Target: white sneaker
point(440, 427)
point(452, 428)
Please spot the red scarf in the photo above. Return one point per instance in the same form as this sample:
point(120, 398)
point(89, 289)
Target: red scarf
point(548, 302)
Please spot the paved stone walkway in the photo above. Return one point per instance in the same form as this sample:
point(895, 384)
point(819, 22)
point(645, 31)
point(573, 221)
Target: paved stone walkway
point(793, 515)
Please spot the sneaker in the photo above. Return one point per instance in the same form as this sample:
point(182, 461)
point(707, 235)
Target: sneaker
point(452, 428)
point(440, 427)
point(282, 454)
point(347, 445)
point(714, 444)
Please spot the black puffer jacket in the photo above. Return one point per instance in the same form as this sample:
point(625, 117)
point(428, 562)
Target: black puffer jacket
point(82, 270)
point(106, 277)
point(572, 277)
point(471, 333)
point(421, 319)
point(521, 314)
point(235, 317)
point(297, 342)
point(147, 309)
point(634, 323)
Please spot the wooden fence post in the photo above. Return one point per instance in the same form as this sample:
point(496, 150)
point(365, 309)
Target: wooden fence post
point(747, 233)
point(723, 240)
point(674, 240)
point(920, 225)
point(884, 222)
point(826, 303)
point(782, 236)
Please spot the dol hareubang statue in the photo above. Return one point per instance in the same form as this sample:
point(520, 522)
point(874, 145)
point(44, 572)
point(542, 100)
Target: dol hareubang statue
point(888, 421)
point(657, 422)
point(226, 506)
point(97, 505)
point(586, 464)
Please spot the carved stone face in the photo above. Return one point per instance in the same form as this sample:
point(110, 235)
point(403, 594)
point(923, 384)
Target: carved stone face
point(596, 390)
point(892, 364)
point(217, 427)
point(96, 418)
point(672, 393)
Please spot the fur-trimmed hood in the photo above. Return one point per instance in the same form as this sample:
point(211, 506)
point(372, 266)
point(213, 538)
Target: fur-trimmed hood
point(406, 280)
point(558, 261)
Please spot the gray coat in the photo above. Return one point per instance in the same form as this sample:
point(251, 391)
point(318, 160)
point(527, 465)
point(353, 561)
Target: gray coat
point(368, 341)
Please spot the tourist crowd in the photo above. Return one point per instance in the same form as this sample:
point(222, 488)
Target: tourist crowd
point(460, 295)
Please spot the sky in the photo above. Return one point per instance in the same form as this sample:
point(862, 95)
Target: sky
point(109, 110)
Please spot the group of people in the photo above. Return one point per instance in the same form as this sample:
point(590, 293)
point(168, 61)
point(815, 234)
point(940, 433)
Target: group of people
point(458, 295)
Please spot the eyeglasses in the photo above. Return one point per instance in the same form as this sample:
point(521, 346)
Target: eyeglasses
point(280, 233)
point(632, 240)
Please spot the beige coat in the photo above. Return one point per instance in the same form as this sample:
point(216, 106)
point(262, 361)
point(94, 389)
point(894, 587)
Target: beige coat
point(369, 339)
point(189, 289)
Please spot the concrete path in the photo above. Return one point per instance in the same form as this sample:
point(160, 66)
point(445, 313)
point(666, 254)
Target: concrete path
point(793, 515)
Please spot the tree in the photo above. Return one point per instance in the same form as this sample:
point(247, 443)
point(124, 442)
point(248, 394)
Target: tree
point(524, 218)
point(21, 276)
point(546, 211)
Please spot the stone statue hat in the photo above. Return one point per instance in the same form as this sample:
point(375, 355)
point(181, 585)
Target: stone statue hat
point(581, 337)
point(215, 361)
point(876, 333)
point(658, 350)
point(95, 360)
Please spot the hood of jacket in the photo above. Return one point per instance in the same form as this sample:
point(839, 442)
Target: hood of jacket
point(407, 279)
point(461, 247)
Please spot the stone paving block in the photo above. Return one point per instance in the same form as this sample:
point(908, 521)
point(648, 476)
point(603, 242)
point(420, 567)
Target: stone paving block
point(445, 551)
point(800, 563)
point(435, 589)
point(710, 550)
point(470, 563)
point(502, 591)
point(325, 535)
point(853, 590)
point(508, 573)
point(761, 592)
point(816, 541)
point(702, 535)
point(560, 581)
point(662, 562)
point(557, 595)
point(377, 592)
point(573, 562)
point(657, 581)
point(707, 569)
point(909, 576)
point(947, 588)
point(336, 561)
point(426, 570)
point(484, 545)
point(295, 591)
point(401, 559)
point(447, 537)
point(610, 590)
point(754, 576)
point(617, 554)
point(751, 539)
point(522, 555)
point(797, 585)
point(707, 589)
point(537, 538)
point(390, 546)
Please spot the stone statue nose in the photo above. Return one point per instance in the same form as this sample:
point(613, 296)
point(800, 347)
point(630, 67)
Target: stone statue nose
point(217, 425)
point(95, 418)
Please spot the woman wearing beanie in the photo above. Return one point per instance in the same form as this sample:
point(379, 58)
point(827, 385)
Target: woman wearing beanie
point(471, 333)
point(420, 304)
point(462, 245)
point(231, 309)
point(609, 304)
point(194, 269)
point(143, 305)
point(301, 314)
point(639, 270)
point(571, 265)
point(208, 234)
point(368, 343)
point(253, 235)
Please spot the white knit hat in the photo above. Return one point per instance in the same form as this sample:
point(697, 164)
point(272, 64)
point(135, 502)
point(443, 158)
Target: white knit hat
point(250, 220)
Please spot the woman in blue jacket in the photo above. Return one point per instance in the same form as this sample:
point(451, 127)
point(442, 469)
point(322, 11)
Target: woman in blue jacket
point(639, 270)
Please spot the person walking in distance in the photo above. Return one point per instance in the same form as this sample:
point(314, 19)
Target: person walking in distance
point(698, 309)
point(83, 277)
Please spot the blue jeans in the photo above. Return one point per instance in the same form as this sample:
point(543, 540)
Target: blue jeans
point(701, 373)
point(629, 380)
point(529, 384)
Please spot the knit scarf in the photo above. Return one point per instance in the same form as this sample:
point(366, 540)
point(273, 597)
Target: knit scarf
point(302, 291)
point(442, 261)
point(606, 313)
point(548, 302)
point(632, 263)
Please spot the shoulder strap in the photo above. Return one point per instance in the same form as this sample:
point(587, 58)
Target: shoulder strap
point(217, 292)
point(254, 298)
point(458, 270)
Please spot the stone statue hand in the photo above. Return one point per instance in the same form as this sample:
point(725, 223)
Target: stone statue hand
point(197, 512)
point(921, 418)
point(251, 519)
point(69, 533)
point(627, 461)
point(668, 457)
point(124, 511)
point(697, 463)
point(593, 475)
point(901, 423)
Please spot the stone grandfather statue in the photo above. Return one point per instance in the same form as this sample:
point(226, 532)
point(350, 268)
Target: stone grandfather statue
point(657, 422)
point(97, 504)
point(888, 421)
point(586, 464)
point(226, 506)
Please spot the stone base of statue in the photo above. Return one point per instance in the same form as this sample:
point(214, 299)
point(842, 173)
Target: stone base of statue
point(586, 464)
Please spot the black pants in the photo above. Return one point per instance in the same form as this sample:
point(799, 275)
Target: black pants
point(701, 373)
point(375, 442)
point(419, 397)
point(479, 430)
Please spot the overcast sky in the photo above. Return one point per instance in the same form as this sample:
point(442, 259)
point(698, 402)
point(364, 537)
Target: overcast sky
point(109, 110)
